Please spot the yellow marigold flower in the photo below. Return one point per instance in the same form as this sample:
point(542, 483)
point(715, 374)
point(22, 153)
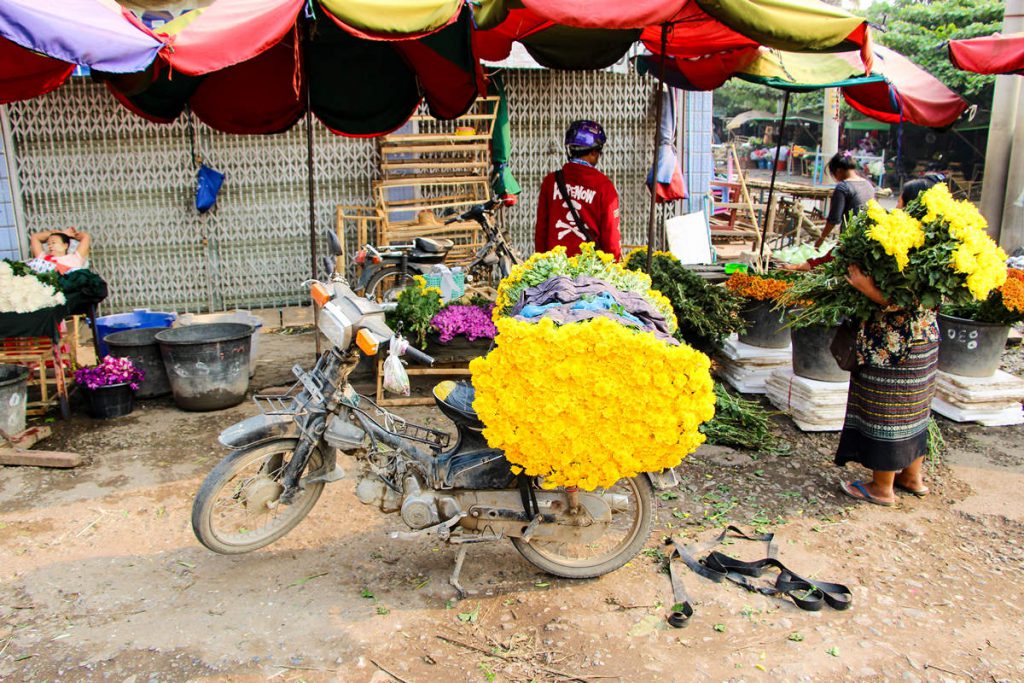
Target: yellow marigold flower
point(590, 403)
point(897, 231)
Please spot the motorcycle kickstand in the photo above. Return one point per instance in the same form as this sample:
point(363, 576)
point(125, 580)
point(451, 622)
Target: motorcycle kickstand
point(460, 557)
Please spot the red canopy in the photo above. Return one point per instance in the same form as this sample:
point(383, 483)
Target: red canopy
point(995, 54)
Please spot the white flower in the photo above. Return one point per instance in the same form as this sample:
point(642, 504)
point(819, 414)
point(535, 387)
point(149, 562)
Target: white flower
point(24, 294)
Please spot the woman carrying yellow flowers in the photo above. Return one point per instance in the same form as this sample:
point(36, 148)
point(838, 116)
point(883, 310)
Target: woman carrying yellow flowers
point(900, 262)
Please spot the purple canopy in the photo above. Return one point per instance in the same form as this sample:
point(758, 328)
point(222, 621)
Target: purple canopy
point(98, 34)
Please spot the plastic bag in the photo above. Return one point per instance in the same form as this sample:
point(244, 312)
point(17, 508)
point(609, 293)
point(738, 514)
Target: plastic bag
point(396, 379)
point(207, 187)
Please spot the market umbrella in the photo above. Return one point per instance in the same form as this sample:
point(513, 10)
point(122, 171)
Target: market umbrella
point(41, 43)
point(568, 34)
point(748, 116)
point(249, 66)
point(995, 54)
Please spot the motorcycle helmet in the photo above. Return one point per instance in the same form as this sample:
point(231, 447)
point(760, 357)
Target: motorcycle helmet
point(583, 136)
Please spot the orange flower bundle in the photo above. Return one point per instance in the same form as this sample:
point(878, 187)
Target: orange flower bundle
point(1004, 306)
point(756, 286)
point(1013, 290)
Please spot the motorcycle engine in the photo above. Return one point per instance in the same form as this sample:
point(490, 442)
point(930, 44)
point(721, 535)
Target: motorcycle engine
point(420, 511)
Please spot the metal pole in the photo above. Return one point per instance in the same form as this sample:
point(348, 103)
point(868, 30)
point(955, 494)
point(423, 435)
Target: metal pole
point(311, 181)
point(659, 104)
point(769, 217)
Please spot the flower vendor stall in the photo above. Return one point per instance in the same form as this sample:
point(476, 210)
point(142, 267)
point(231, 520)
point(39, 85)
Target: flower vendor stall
point(33, 307)
point(586, 384)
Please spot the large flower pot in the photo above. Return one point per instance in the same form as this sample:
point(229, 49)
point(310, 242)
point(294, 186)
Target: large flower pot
point(812, 354)
point(113, 400)
point(970, 348)
point(765, 327)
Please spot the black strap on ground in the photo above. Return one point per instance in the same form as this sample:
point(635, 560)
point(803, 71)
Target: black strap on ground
point(560, 180)
point(805, 593)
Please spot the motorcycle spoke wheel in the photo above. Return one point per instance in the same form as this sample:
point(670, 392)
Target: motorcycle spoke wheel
point(632, 504)
point(237, 508)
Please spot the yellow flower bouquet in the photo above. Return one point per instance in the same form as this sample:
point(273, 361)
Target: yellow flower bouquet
point(587, 403)
point(934, 250)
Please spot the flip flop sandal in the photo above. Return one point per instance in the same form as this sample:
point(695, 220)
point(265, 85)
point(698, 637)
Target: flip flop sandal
point(864, 496)
point(920, 493)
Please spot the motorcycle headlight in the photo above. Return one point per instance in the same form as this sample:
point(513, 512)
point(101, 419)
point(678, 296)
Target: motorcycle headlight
point(335, 325)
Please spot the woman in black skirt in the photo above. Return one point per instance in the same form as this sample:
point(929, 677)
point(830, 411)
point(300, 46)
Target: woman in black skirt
point(889, 404)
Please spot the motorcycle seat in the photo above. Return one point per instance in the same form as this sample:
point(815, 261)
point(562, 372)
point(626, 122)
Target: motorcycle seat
point(455, 399)
point(431, 246)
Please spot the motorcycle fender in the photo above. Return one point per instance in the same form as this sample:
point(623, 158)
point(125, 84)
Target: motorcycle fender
point(256, 429)
point(666, 479)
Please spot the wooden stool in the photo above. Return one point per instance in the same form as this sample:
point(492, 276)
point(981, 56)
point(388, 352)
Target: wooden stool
point(46, 366)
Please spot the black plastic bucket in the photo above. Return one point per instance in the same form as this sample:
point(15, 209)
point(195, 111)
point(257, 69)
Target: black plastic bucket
point(114, 400)
point(141, 348)
point(207, 364)
point(765, 328)
point(970, 348)
point(812, 354)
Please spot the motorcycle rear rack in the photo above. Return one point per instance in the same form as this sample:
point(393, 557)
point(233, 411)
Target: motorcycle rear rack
point(315, 382)
point(402, 428)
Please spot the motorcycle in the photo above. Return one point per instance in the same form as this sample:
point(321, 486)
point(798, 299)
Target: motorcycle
point(387, 270)
point(461, 492)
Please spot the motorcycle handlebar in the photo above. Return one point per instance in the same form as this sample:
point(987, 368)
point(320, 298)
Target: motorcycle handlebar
point(476, 213)
point(418, 356)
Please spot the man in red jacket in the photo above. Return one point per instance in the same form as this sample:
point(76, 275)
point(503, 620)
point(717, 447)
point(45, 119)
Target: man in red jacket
point(595, 202)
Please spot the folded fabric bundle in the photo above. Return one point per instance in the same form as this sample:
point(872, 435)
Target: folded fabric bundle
point(567, 300)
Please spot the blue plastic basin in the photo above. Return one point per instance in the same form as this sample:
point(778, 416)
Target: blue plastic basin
point(137, 319)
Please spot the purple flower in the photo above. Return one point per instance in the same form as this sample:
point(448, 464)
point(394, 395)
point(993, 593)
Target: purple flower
point(473, 321)
point(110, 371)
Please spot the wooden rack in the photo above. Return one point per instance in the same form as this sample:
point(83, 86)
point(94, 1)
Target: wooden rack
point(434, 169)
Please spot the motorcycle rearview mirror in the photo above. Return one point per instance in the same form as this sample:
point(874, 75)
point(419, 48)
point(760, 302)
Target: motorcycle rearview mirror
point(333, 243)
point(327, 263)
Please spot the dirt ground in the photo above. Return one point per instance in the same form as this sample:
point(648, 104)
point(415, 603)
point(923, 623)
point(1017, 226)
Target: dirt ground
point(101, 578)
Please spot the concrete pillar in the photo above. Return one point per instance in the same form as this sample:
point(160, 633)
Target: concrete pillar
point(1002, 183)
point(830, 124)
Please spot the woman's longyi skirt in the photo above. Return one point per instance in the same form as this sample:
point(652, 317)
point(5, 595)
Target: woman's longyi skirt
point(887, 411)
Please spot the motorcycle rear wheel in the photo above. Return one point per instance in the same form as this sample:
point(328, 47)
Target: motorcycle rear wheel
point(385, 285)
point(575, 561)
point(235, 511)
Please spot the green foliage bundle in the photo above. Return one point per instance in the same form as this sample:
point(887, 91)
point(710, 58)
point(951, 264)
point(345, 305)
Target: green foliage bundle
point(417, 306)
point(707, 313)
point(741, 423)
point(21, 269)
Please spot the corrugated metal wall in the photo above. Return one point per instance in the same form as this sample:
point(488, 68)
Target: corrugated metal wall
point(84, 160)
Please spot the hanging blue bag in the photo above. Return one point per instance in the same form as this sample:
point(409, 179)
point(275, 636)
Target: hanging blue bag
point(207, 188)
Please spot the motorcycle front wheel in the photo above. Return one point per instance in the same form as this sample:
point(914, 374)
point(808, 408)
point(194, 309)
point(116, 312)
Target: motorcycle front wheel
point(632, 519)
point(236, 510)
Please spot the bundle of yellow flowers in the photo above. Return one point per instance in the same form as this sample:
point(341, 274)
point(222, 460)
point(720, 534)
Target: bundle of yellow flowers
point(589, 403)
point(590, 262)
point(935, 250)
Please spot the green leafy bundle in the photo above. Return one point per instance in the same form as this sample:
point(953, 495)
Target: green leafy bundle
point(416, 307)
point(21, 269)
point(742, 423)
point(707, 313)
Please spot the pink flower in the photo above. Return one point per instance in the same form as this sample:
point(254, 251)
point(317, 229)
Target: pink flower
point(472, 321)
point(110, 371)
